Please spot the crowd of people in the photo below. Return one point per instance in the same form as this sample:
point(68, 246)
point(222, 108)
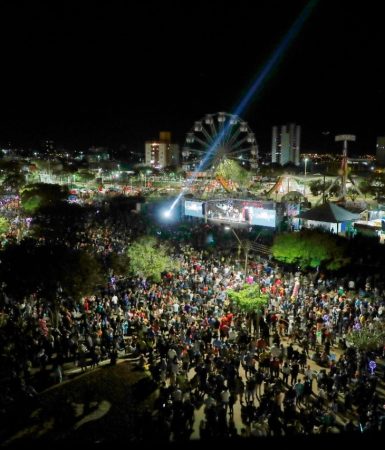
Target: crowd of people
point(281, 367)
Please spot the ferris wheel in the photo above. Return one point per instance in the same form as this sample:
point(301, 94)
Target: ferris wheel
point(216, 137)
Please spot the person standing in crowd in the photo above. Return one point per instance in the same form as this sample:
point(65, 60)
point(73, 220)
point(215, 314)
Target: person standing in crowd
point(201, 348)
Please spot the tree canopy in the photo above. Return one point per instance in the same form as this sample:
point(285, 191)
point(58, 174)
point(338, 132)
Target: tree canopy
point(13, 181)
point(61, 220)
point(368, 339)
point(311, 248)
point(84, 175)
point(38, 195)
point(374, 185)
point(249, 298)
point(317, 187)
point(27, 268)
point(231, 170)
point(4, 225)
point(120, 264)
point(149, 258)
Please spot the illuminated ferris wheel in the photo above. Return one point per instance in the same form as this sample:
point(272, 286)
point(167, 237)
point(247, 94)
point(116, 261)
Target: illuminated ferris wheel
point(216, 137)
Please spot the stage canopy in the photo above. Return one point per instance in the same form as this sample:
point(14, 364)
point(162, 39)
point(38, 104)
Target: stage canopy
point(329, 212)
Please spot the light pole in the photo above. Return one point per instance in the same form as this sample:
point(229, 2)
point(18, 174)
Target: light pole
point(304, 183)
point(245, 245)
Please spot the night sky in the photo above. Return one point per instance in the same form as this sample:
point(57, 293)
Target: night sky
point(104, 75)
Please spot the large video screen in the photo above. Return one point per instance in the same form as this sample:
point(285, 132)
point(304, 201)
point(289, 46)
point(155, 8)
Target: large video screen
point(193, 208)
point(242, 211)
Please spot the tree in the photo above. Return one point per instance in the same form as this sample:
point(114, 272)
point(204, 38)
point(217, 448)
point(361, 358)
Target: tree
point(317, 187)
point(291, 168)
point(84, 176)
point(38, 195)
point(14, 181)
point(28, 268)
point(312, 249)
point(376, 185)
point(121, 206)
point(273, 169)
point(231, 170)
point(334, 190)
point(251, 301)
point(143, 169)
point(4, 226)
point(365, 187)
point(82, 274)
point(249, 298)
point(150, 259)
point(61, 220)
point(120, 264)
point(352, 193)
point(367, 339)
point(45, 165)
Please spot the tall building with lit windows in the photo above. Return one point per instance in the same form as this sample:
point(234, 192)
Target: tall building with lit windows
point(162, 152)
point(285, 146)
point(380, 151)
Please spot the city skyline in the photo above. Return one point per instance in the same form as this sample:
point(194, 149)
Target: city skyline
point(66, 78)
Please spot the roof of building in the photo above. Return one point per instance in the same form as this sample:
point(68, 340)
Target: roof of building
point(329, 212)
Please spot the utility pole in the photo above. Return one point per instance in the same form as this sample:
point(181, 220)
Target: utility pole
point(304, 183)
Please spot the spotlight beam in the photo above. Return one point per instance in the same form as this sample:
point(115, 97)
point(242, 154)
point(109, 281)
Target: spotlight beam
point(275, 57)
point(254, 88)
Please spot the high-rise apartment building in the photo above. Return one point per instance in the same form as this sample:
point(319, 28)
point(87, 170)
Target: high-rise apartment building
point(162, 152)
point(285, 147)
point(380, 151)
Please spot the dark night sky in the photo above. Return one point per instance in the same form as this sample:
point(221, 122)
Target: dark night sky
point(105, 75)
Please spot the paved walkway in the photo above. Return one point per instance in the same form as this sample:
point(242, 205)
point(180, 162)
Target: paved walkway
point(70, 371)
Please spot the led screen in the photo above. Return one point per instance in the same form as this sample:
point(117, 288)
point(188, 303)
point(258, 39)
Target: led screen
point(193, 208)
point(242, 211)
point(263, 217)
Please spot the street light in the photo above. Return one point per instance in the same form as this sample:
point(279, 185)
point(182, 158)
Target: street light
point(245, 245)
point(304, 183)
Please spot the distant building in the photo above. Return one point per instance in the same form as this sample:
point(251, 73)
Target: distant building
point(380, 151)
point(48, 146)
point(285, 147)
point(97, 154)
point(162, 152)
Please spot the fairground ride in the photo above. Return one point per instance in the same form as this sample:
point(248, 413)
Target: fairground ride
point(233, 140)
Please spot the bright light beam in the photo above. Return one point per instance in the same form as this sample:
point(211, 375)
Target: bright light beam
point(276, 56)
point(254, 88)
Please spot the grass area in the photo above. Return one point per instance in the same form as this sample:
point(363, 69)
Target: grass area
point(102, 405)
